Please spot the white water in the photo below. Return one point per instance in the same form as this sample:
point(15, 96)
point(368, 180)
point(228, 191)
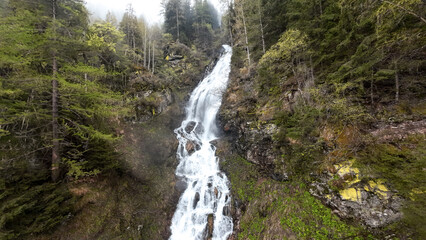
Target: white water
point(207, 189)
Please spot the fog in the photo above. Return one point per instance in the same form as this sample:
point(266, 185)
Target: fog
point(149, 9)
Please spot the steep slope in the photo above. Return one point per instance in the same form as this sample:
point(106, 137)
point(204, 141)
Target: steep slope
point(326, 132)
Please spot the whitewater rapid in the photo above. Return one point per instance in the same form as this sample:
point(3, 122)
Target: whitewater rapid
point(203, 211)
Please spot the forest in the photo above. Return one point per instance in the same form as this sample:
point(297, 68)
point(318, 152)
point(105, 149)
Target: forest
point(323, 119)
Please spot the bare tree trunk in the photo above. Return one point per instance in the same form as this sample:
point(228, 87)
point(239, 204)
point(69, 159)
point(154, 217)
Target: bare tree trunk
point(55, 137)
point(149, 54)
point(261, 28)
point(177, 22)
point(144, 50)
point(153, 57)
point(371, 89)
point(245, 33)
point(406, 10)
point(263, 36)
point(133, 39)
point(230, 28)
point(396, 83)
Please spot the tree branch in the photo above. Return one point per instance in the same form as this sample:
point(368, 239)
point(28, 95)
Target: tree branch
point(406, 10)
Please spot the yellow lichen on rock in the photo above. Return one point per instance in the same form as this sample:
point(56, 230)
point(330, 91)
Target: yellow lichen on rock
point(378, 188)
point(347, 169)
point(356, 180)
point(351, 194)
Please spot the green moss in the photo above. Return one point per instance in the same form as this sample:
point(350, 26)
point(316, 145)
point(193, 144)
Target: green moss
point(243, 176)
point(402, 165)
point(281, 210)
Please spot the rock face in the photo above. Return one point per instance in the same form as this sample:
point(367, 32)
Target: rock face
point(371, 201)
point(251, 138)
point(399, 131)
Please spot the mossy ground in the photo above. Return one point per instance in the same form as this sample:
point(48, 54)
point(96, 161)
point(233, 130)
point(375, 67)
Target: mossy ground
point(402, 164)
point(282, 210)
point(111, 207)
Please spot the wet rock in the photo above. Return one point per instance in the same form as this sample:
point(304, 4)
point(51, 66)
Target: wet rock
point(210, 223)
point(196, 200)
point(190, 126)
point(226, 211)
point(216, 192)
point(214, 142)
point(190, 147)
point(199, 129)
point(181, 185)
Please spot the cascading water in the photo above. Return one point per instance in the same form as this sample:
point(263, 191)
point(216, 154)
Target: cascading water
point(203, 209)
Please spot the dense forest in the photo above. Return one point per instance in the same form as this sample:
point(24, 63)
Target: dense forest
point(327, 100)
point(323, 120)
point(67, 85)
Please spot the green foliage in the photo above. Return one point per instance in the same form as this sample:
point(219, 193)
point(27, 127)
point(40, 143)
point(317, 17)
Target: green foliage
point(194, 24)
point(243, 176)
point(278, 63)
point(337, 65)
point(299, 127)
point(29, 204)
point(287, 47)
point(89, 110)
point(310, 219)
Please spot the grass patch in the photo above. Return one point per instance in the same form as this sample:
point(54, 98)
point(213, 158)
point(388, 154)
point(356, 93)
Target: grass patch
point(283, 210)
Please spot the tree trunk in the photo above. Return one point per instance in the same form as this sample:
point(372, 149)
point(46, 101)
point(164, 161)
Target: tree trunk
point(133, 39)
point(230, 28)
point(153, 57)
point(371, 90)
point(55, 138)
point(396, 83)
point(177, 22)
point(144, 50)
point(406, 10)
point(245, 33)
point(261, 29)
point(149, 55)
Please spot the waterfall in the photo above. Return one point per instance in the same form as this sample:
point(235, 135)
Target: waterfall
point(203, 211)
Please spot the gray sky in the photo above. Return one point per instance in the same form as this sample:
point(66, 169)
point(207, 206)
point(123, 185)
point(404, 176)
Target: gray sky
point(150, 9)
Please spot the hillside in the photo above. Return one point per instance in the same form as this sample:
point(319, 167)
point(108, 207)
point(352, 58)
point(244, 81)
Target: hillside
point(326, 107)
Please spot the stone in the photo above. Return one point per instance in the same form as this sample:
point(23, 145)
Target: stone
point(196, 200)
point(181, 185)
point(210, 223)
point(190, 126)
point(190, 147)
point(351, 194)
point(226, 211)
